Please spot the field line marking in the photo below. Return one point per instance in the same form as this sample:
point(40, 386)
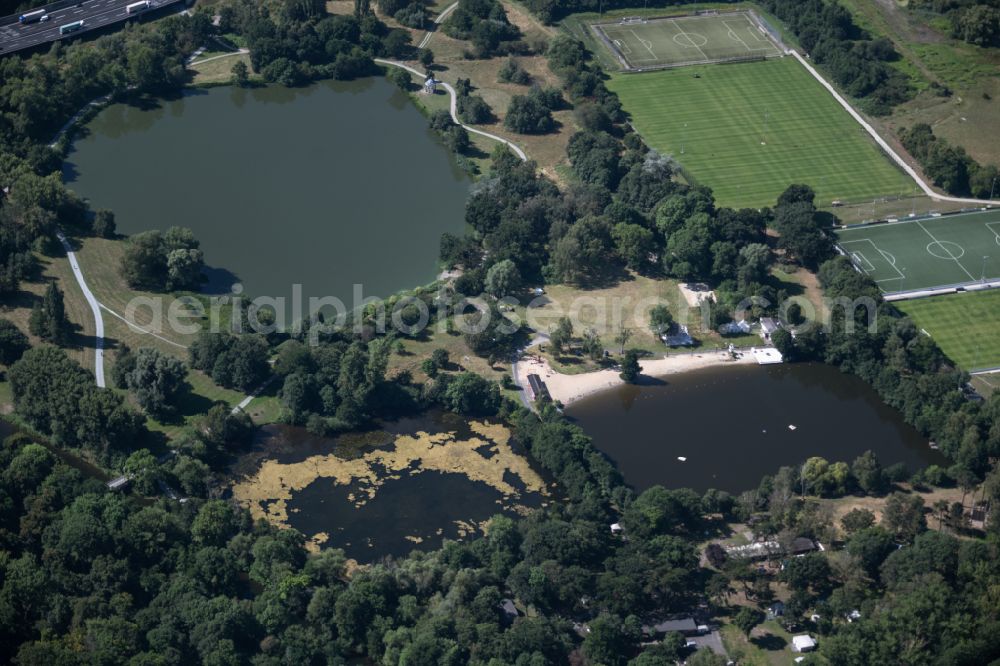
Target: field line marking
point(996, 234)
point(648, 45)
point(681, 32)
point(921, 225)
point(733, 35)
point(861, 257)
point(875, 247)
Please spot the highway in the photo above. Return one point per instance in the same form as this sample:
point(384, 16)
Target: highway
point(94, 13)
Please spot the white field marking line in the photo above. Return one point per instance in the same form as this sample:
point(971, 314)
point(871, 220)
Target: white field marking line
point(681, 32)
point(623, 47)
point(140, 329)
point(749, 28)
point(940, 244)
point(758, 34)
point(734, 36)
point(996, 234)
point(888, 257)
point(910, 171)
point(861, 257)
point(648, 45)
point(875, 247)
point(454, 111)
point(95, 307)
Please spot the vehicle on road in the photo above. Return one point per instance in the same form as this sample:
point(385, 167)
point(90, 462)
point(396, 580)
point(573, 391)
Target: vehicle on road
point(70, 27)
point(44, 18)
point(137, 7)
point(32, 17)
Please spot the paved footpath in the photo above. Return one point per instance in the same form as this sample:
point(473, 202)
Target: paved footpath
point(95, 307)
point(454, 106)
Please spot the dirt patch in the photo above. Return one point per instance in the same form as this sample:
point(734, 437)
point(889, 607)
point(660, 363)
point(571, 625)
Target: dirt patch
point(842, 506)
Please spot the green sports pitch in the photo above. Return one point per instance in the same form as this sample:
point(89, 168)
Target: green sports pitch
point(925, 254)
point(963, 325)
point(668, 42)
point(748, 130)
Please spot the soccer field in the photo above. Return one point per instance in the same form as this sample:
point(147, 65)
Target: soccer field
point(687, 39)
point(749, 130)
point(963, 325)
point(922, 254)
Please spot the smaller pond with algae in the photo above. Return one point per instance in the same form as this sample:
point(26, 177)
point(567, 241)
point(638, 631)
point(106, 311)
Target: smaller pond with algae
point(409, 485)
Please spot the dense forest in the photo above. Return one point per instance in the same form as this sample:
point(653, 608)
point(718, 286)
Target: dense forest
point(88, 575)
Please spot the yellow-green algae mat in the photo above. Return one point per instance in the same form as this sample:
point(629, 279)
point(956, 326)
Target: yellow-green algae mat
point(266, 493)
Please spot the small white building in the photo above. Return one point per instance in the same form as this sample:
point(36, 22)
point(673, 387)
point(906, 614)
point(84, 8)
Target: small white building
point(430, 85)
point(616, 528)
point(803, 643)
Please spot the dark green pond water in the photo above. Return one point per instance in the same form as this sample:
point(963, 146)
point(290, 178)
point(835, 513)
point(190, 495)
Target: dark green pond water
point(732, 425)
point(325, 186)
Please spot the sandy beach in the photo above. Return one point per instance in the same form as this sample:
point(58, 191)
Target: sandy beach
point(570, 388)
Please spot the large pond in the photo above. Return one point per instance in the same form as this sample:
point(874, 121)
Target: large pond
point(406, 486)
point(325, 186)
point(734, 425)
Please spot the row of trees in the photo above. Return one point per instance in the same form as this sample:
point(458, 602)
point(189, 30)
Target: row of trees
point(857, 62)
point(974, 21)
point(950, 167)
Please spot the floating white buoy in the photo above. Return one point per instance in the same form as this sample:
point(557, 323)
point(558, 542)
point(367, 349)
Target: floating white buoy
point(682, 458)
point(791, 427)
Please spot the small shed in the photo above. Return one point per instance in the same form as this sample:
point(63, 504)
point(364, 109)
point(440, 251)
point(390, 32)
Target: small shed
point(430, 85)
point(803, 643)
point(616, 528)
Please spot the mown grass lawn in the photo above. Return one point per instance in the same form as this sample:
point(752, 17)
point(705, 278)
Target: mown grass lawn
point(749, 130)
point(768, 645)
point(963, 325)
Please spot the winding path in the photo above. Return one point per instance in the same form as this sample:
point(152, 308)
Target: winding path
point(437, 21)
point(882, 142)
point(454, 110)
point(95, 307)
